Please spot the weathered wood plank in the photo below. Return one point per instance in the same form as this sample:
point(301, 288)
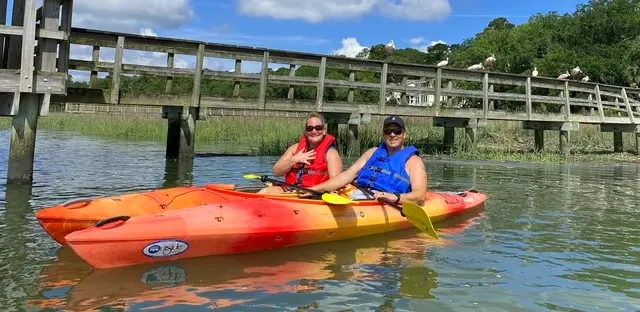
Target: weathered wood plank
point(197, 78)
point(170, 63)
point(65, 46)
point(383, 86)
point(321, 79)
point(39, 33)
point(117, 70)
point(28, 47)
point(264, 79)
point(45, 82)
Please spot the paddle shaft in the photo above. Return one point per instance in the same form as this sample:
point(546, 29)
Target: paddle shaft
point(264, 178)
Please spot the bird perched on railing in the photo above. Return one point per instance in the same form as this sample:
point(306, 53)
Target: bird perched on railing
point(443, 62)
point(475, 66)
point(566, 75)
point(534, 72)
point(389, 47)
point(576, 71)
point(585, 79)
point(490, 61)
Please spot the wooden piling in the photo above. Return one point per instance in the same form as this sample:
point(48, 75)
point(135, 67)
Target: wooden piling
point(30, 101)
point(181, 131)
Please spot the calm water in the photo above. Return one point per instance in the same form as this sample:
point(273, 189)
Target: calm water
point(552, 237)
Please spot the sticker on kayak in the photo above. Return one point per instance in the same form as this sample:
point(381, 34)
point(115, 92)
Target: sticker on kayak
point(165, 248)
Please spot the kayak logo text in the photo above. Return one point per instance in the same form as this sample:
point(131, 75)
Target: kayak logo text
point(165, 248)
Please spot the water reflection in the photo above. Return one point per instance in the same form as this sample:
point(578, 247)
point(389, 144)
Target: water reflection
point(178, 172)
point(393, 264)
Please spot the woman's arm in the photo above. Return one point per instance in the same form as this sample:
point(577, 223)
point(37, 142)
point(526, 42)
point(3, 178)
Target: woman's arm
point(286, 161)
point(334, 162)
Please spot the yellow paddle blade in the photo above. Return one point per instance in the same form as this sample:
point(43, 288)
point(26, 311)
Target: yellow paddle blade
point(419, 218)
point(336, 199)
point(251, 176)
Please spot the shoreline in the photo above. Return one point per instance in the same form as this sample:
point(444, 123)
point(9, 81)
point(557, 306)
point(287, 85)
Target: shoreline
point(499, 141)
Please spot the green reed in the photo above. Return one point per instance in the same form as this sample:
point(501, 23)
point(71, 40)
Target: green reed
point(270, 136)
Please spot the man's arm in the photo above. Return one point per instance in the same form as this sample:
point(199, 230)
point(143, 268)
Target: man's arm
point(418, 178)
point(346, 176)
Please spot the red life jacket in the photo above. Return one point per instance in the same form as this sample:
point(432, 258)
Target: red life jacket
point(316, 172)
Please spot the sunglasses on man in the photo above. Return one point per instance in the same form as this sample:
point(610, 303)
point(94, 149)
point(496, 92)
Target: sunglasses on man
point(396, 131)
point(317, 127)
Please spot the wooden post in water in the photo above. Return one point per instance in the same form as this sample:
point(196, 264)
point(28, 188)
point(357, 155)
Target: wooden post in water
point(33, 79)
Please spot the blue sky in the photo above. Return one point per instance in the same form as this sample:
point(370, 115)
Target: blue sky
point(318, 26)
point(225, 22)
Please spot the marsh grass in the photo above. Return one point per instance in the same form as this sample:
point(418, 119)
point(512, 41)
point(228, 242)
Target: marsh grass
point(271, 136)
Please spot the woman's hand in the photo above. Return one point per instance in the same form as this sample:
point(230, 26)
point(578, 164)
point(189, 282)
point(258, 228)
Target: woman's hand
point(304, 157)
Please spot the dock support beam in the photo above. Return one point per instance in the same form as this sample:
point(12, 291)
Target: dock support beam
point(23, 139)
point(564, 128)
point(539, 140)
point(470, 126)
point(617, 130)
point(353, 122)
point(181, 131)
point(617, 142)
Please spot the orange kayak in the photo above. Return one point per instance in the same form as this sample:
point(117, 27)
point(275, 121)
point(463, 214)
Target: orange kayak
point(248, 223)
point(79, 214)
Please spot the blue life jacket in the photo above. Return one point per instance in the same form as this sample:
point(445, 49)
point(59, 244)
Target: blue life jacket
point(387, 173)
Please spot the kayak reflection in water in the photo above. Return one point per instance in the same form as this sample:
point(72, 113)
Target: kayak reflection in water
point(314, 159)
point(390, 170)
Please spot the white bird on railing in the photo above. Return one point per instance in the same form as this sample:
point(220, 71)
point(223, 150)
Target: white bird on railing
point(585, 79)
point(443, 63)
point(390, 46)
point(534, 72)
point(475, 66)
point(576, 71)
point(565, 75)
point(490, 60)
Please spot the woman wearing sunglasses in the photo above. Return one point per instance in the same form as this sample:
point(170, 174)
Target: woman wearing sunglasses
point(391, 170)
point(313, 160)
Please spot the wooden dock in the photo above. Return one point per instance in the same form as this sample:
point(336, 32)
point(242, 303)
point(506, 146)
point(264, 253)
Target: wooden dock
point(462, 98)
point(31, 73)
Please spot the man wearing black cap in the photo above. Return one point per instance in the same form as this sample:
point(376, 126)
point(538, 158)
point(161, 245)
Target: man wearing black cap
point(391, 170)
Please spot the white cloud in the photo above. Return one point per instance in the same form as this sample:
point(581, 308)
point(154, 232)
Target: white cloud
point(146, 31)
point(308, 10)
point(416, 40)
point(419, 43)
point(350, 47)
point(418, 10)
point(318, 10)
point(130, 15)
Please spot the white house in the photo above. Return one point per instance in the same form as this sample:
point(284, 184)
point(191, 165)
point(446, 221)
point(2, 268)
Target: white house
point(415, 98)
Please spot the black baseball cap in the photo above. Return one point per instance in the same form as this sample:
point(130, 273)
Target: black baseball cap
point(394, 119)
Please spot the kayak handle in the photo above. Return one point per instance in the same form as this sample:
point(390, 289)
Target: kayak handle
point(77, 200)
point(112, 219)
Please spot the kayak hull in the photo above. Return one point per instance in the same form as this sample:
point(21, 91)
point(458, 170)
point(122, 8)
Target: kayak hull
point(249, 224)
point(79, 214)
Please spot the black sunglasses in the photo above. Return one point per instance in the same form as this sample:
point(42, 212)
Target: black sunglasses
point(396, 131)
point(317, 127)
